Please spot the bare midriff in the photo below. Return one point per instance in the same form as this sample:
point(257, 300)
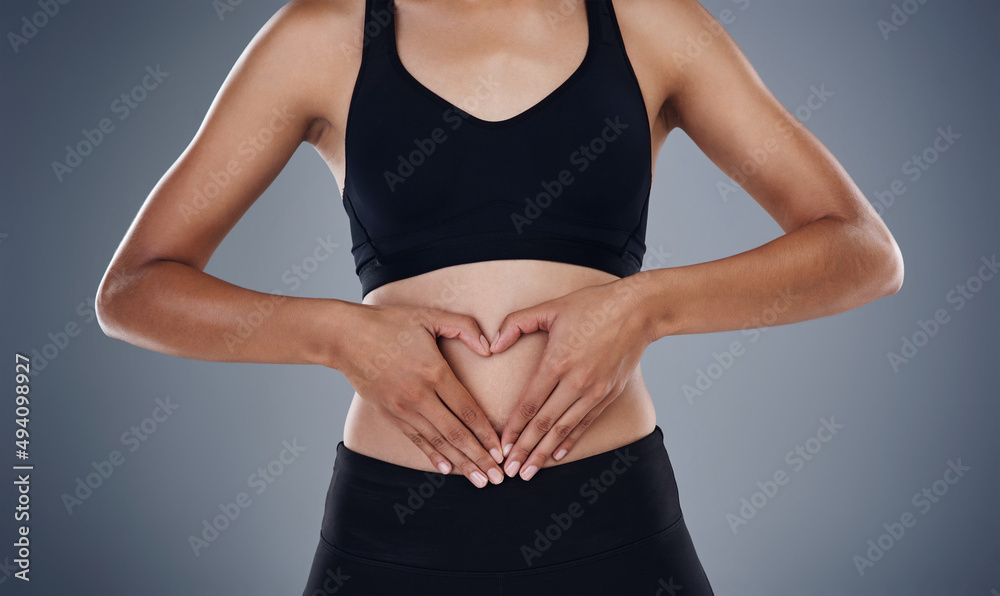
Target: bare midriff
point(488, 291)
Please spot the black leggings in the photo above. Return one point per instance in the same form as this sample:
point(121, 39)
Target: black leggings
point(610, 523)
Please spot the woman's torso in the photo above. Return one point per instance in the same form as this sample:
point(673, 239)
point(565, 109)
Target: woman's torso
point(489, 290)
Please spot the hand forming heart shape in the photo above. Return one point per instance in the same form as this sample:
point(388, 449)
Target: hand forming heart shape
point(597, 336)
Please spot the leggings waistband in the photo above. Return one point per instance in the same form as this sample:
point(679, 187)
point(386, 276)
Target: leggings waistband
point(399, 515)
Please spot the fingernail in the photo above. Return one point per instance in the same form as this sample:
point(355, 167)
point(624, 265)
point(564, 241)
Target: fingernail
point(486, 344)
point(559, 454)
point(506, 449)
point(512, 467)
point(496, 455)
point(495, 339)
point(496, 476)
point(445, 468)
point(529, 472)
point(478, 479)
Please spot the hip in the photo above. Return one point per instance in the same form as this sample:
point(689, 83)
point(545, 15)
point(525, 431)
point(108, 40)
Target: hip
point(408, 517)
point(610, 523)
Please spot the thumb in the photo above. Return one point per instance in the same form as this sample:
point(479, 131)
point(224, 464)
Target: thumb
point(527, 320)
point(464, 328)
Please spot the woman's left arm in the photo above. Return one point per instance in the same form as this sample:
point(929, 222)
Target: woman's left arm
point(836, 253)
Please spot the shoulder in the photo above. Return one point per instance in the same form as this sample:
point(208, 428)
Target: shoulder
point(314, 27)
point(303, 54)
point(665, 26)
point(681, 42)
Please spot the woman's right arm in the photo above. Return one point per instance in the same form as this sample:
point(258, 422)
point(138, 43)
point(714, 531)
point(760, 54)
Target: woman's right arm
point(156, 295)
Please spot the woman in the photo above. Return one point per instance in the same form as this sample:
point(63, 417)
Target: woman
point(495, 161)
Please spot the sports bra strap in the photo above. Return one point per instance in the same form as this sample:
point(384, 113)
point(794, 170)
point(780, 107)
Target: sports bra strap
point(606, 29)
point(378, 26)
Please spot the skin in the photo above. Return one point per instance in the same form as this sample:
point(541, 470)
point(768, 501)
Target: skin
point(545, 392)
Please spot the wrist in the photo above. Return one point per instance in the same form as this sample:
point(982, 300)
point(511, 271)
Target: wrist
point(652, 304)
point(331, 333)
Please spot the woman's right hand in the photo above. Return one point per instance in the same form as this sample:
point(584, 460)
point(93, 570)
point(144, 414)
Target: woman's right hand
point(390, 355)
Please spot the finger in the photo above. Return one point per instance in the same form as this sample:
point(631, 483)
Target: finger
point(538, 389)
point(462, 327)
point(434, 435)
point(572, 423)
point(438, 460)
point(517, 323)
point(458, 460)
point(584, 423)
point(462, 448)
point(454, 395)
point(478, 468)
point(545, 421)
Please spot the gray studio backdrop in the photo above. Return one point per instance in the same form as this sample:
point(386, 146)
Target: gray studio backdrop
point(855, 454)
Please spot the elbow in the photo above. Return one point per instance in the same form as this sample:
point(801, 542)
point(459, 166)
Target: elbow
point(876, 259)
point(109, 303)
point(893, 279)
point(887, 265)
point(104, 306)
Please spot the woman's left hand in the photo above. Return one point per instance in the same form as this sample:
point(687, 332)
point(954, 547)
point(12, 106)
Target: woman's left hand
point(597, 336)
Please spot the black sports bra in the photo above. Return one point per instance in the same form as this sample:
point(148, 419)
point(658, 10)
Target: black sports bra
point(428, 185)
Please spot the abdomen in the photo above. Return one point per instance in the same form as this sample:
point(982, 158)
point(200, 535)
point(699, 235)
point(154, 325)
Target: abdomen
point(488, 291)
